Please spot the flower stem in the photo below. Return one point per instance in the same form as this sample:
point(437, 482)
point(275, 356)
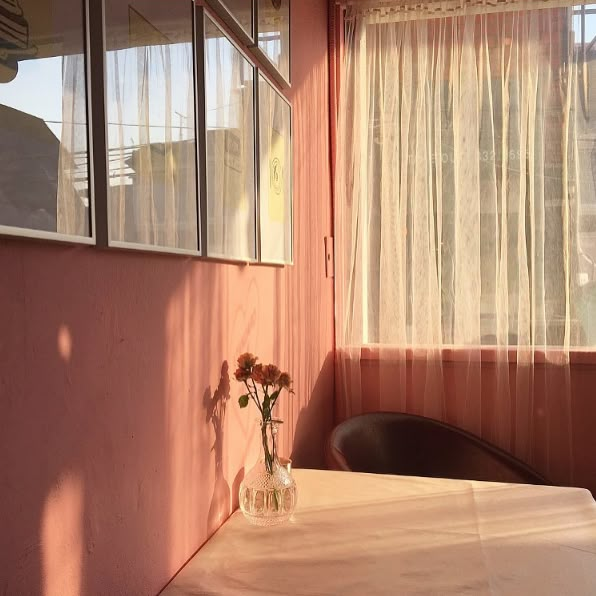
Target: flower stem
point(254, 396)
point(270, 457)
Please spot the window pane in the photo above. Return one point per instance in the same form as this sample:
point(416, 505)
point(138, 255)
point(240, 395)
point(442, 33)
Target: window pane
point(275, 183)
point(151, 123)
point(274, 33)
point(478, 192)
point(241, 10)
point(44, 176)
point(229, 103)
point(584, 32)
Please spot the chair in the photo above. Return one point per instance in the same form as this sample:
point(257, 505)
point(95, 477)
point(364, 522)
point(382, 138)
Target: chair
point(392, 443)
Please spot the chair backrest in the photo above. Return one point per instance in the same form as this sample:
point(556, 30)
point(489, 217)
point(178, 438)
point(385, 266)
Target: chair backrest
point(392, 443)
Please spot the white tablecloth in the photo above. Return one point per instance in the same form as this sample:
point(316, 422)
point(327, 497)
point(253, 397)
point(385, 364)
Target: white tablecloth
point(361, 534)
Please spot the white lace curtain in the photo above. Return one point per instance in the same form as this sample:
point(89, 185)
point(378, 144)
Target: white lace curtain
point(464, 248)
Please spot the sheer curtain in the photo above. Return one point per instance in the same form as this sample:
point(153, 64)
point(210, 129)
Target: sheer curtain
point(73, 168)
point(151, 124)
point(229, 90)
point(274, 33)
point(463, 245)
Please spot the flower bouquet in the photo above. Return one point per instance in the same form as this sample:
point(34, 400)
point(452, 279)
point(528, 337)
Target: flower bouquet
point(268, 493)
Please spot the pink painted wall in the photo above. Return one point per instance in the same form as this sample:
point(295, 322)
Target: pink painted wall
point(113, 468)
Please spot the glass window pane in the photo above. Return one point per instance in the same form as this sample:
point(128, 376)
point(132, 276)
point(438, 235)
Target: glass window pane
point(584, 36)
point(274, 33)
point(44, 177)
point(241, 10)
point(229, 103)
point(151, 123)
point(275, 186)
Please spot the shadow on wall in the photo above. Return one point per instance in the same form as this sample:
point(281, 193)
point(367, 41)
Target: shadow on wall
point(308, 449)
point(85, 464)
point(215, 406)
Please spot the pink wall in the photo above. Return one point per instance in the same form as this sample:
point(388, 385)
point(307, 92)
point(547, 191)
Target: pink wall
point(112, 473)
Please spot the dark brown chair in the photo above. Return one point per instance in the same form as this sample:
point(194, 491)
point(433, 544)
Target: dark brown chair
point(391, 443)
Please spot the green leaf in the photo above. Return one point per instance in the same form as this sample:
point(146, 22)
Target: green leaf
point(275, 395)
point(243, 401)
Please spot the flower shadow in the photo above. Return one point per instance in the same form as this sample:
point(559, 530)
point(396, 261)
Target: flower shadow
point(215, 412)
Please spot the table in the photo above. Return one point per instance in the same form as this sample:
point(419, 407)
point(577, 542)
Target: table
point(364, 534)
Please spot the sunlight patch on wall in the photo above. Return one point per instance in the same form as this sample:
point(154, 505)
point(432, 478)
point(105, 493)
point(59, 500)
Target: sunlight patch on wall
point(64, 341)
point(62, 538)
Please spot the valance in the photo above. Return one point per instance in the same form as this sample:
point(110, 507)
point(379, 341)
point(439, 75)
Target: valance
point(398, 10)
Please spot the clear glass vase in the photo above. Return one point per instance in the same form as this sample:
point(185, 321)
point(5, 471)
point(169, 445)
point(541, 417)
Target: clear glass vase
point(268, 492)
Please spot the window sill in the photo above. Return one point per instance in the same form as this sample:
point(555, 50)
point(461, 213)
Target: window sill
point(486, 354)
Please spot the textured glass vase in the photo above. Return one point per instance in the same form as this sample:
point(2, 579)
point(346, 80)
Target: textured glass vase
point(268, 492)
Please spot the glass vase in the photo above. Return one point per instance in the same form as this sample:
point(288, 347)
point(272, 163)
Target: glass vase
point(268, 492)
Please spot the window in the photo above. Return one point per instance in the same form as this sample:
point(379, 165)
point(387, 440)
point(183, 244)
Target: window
point(230, 148)
point(152, 163)
point(473, 178)
point(44, 176)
